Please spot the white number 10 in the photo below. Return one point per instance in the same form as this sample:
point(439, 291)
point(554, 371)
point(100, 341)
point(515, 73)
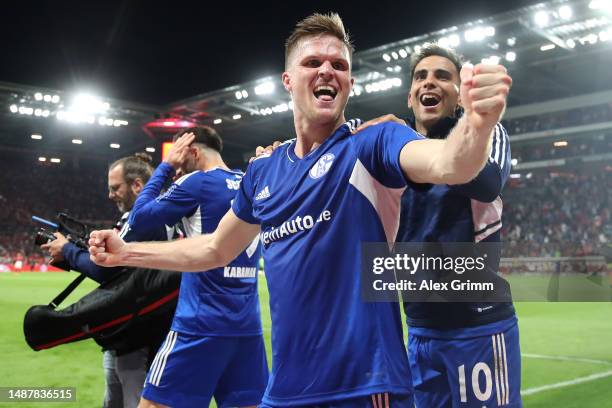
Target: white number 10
point(478, 393)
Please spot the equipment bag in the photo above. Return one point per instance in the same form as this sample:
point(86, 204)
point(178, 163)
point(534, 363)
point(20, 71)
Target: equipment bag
point(131, 311)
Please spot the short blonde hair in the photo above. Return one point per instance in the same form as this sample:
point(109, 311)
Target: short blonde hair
point(318, 24)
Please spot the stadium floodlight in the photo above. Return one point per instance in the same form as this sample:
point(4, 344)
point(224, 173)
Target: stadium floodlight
point(474, 34)
point(454, 40)
point(548, 47)
point(489, 31)
point(56, 99)
point(217, 121)
point(47, 98)
point(357, 89)
point(515, 176)
point(169, 123)
point(37, 112)
point(290, 105)
point(115, 145)
point(42, 159)
point(55, 160)
point(395, 55)
point(264, 88)
point(87, 103)
point(38, 96)
point(604, 35)
point(604, 5)
point(565, 12)
point(511, 41)
point(514, 161)
point(238, 95)
point(36, 136)
point(150, 149)
point(403, 53)
point(386, 57)
point(443, 42)
point(511, 56)
point(45, 113)
point(541, 18)
point(560, 143)
point(77, 141)
point(592, 38)
point(570, 43)
point(14, 108)
point(245, 94)
point(236, 116)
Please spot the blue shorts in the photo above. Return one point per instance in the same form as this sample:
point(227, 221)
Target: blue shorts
point(484, 370)
point(189, 370)
point(380, 400)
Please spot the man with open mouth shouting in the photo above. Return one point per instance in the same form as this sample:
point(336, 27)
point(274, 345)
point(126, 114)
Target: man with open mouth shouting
point(313, 201)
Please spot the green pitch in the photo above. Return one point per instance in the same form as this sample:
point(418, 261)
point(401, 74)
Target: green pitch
point(567, 348)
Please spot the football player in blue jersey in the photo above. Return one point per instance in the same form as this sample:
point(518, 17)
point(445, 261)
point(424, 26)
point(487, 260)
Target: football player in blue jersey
point(447, 340)
point(313, 201)
point(215, 346)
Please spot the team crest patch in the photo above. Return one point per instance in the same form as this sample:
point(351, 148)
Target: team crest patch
point(322, 166)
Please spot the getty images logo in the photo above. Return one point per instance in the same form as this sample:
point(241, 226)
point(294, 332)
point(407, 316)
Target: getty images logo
point(322, 166)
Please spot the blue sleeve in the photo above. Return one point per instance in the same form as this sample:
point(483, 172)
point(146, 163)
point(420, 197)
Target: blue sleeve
point(488, 184)
point(379, 150)
point(152, 211)
point(78, 259)
point(242, 204)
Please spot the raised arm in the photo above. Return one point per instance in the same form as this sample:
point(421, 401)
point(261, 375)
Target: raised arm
point(194, 254)
point(461, 156)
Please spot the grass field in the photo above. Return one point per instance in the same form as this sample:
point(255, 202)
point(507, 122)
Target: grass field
point(567, 348)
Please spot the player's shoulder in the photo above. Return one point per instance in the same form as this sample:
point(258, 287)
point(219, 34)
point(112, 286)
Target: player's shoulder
point(262, 161)
point(190, 178)
point(383, 131)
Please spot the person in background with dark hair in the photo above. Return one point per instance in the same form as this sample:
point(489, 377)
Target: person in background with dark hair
point(448, 341)
point(124, 374)
point(215, 346)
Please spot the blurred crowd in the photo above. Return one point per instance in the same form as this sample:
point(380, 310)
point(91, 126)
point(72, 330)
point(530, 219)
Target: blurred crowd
point(557, 120)
point(546, 213)
point(30, 188)
point(558, 213)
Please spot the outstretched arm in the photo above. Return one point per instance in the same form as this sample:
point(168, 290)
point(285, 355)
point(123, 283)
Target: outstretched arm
point(461, 156)
point(194, 254)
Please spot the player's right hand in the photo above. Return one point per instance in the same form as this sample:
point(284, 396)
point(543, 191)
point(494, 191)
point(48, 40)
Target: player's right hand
point(106, 248)
point(177, 155)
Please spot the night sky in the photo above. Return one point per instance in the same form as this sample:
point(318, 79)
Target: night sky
point(159, 52)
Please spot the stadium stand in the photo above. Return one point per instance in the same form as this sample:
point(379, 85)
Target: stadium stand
point(80, 192)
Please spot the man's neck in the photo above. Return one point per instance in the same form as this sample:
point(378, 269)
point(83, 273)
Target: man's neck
point(311, 135)
point(211, 163)
point(421, 128)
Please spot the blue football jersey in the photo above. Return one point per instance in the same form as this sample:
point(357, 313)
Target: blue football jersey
point(460, 213)
point(314, 214)
point(219, 302)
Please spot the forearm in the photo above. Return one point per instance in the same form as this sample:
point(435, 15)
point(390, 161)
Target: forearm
point(464, 154)
point(187, 255)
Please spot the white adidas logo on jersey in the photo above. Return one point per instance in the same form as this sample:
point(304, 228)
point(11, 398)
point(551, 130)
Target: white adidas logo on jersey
point(265, 193)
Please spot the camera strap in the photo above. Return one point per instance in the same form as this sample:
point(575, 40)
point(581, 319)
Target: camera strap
point(67, 291)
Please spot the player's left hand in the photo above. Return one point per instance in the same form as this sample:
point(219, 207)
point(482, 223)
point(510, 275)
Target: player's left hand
point(484, 90)
point(381, 119)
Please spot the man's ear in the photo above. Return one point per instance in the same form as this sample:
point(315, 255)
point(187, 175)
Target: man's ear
point(458, 97)
point(409, 100)
point(137, 186)
point(286, 81)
